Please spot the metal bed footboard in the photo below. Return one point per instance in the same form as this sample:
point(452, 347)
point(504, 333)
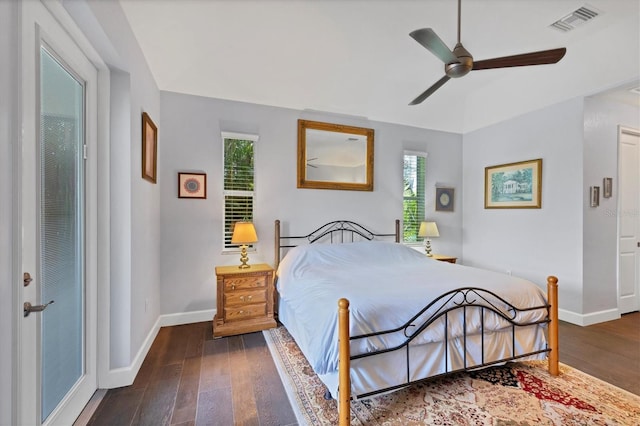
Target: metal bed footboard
point(443, 308)
point(461, 299)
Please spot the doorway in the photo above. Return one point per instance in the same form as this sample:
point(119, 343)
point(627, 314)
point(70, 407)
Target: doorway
point(628, 220)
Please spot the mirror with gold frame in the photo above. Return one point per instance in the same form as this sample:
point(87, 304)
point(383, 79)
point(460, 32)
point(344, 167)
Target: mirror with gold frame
point(334, 156)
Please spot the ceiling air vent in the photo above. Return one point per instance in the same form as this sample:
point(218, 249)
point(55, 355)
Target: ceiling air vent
point(575, 18)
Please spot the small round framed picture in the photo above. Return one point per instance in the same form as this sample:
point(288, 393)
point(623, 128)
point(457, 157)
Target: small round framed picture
point(444, 199)
point(192, 185)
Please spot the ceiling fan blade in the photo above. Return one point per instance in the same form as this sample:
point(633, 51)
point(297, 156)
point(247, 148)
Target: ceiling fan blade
point(534, 58)
point(430, 90)
point(430, 40)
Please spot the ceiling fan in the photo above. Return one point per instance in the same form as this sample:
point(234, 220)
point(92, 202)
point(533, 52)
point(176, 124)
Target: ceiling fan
point(459, 62)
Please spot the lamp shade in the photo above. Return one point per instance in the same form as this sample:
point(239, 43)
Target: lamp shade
point(244, 233)
point(428, 229)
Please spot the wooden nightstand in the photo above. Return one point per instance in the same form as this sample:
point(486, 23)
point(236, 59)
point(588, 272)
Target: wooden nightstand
point(444, 258)
point(244, 300)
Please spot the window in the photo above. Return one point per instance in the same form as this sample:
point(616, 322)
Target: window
point(413, 205)
point(239, 182)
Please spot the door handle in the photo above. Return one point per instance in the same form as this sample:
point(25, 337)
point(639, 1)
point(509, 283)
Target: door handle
point(28, 308)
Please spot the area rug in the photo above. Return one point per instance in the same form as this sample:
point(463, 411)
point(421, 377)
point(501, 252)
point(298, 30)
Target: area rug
point(515, 394)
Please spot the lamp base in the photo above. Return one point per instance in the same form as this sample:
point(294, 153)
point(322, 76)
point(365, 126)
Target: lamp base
point(244, 257)
point(427, 247)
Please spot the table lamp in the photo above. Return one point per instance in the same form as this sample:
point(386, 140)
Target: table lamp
point(428, 230)
point(244, 233)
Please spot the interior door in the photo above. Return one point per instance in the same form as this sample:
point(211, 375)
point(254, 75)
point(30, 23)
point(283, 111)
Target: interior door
point(58, 330)
point(629, 220)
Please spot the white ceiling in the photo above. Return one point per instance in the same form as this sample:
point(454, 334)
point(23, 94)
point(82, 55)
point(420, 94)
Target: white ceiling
point(355, 57)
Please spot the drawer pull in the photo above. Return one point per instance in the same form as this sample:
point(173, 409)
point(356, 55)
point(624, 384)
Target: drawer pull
point(246, 298)
point(233, 286)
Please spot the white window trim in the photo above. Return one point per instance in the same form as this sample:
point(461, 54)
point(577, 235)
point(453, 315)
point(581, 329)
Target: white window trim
point(234, 135)
point(417, 244)
point(418, 153)
point(248, 137)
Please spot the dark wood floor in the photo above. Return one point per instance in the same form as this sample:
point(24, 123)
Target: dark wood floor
point(609, 351)
point(188, 378)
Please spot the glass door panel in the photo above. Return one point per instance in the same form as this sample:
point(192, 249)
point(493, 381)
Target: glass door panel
point(61, 229)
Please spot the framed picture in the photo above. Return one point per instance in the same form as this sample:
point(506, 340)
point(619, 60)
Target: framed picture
point(513, 185)
point(192, 185)
point(149, 149)
point(607, 187)
point(444, 199)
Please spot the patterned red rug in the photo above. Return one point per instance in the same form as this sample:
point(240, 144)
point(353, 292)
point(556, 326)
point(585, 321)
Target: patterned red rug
point(516, 394)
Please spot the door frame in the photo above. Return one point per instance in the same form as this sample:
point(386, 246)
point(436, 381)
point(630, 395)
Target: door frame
point(97, 210)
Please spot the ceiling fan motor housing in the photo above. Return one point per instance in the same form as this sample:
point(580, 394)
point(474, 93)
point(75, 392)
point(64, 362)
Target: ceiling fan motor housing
point(464, 64)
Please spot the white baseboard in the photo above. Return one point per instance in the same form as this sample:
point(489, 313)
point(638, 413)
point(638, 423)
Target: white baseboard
point(187, 317)
point(590, 318)
point(124, 376)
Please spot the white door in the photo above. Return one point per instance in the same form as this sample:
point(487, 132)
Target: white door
point(629, 220)
point(57, 359)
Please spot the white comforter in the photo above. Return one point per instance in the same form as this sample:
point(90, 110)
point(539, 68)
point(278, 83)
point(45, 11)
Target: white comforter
point(386, 284)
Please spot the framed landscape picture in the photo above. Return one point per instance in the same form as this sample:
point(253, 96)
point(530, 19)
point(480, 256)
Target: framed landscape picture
point(513, 185)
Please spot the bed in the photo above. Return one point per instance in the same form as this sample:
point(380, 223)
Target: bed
point(371, 315)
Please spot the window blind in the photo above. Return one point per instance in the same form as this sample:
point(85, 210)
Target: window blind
point(413, 196)
point(239, 182)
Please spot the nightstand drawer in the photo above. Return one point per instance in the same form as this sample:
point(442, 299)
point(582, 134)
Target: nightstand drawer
point(245, 312)
point(244, 283)
point(235, 298)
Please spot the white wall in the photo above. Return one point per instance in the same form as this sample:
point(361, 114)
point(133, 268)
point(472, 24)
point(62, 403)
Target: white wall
point(9, 277)
point(531, 243)
point(121, 258)
point(134, 293)
point(601, 121)
point(191, 239)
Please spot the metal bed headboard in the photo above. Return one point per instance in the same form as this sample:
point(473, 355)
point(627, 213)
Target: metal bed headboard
point(338, 231)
